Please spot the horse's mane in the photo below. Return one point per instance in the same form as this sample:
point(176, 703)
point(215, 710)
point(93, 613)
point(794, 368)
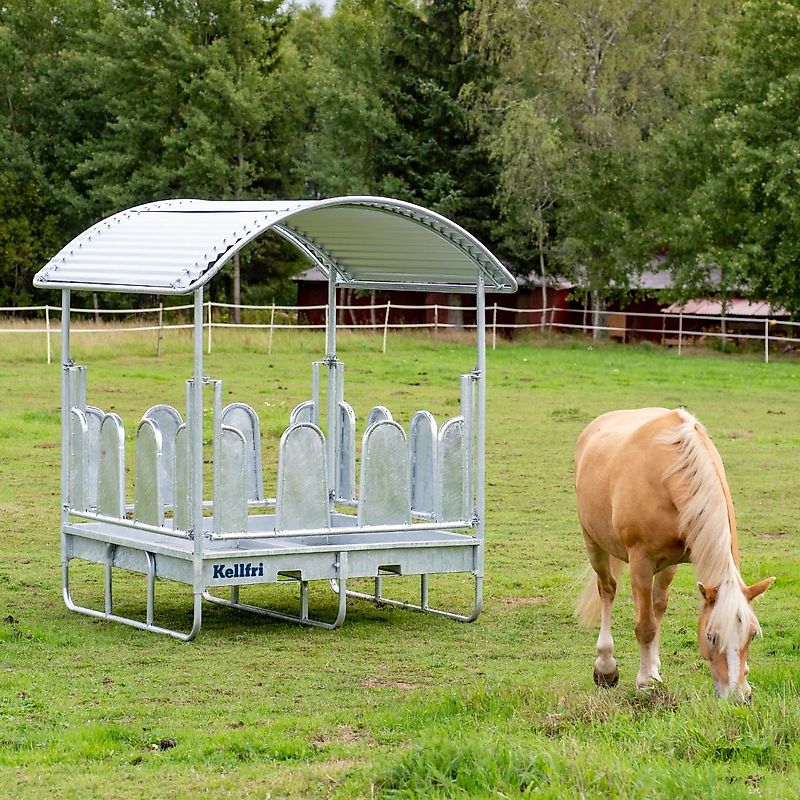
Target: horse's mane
point(706, 526)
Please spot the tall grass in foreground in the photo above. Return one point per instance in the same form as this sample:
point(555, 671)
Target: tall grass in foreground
point(395, 704)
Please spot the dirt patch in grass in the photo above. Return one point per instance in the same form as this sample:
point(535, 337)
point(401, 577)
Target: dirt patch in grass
point(378, 683)
point(513, 602)
point(771, 534)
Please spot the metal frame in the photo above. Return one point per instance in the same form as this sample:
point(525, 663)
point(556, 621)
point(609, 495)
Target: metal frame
point(206, 557)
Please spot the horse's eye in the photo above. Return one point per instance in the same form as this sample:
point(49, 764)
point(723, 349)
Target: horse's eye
point(712, 638)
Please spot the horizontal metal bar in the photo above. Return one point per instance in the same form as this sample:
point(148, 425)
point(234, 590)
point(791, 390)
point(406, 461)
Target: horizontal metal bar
point(128, 523)
point(349, 529)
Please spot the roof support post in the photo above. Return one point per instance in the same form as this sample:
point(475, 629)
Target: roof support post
point(480, 468)
point(330, 346)
point(66, 362)
point(195, 425)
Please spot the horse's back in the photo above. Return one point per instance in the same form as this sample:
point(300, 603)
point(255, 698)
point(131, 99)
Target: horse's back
point(620, 464)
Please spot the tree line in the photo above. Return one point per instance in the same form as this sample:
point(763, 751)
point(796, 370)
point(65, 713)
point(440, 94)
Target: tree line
point(574, 138)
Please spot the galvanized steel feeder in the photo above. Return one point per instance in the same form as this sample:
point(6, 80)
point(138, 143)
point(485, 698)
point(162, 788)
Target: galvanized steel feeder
point(419, 503)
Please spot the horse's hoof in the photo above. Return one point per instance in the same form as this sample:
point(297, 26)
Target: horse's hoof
point(608, 681)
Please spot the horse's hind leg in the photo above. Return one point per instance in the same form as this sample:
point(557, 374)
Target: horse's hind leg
point(605, 665)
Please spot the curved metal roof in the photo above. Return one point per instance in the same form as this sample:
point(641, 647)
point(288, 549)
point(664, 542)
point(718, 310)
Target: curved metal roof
point(176, 246)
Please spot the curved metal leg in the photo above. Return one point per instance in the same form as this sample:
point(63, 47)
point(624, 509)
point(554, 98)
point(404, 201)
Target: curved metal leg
point(303, 617)
point(423, 606)
point(107, 614)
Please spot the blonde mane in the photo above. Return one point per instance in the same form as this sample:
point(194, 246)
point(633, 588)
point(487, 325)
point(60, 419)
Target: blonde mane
point(705, 524)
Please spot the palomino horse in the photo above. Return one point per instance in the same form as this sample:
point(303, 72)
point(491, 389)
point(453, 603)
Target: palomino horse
point(652, 492)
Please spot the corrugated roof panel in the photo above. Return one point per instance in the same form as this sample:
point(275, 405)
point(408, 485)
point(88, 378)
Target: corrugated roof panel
point(174, 246)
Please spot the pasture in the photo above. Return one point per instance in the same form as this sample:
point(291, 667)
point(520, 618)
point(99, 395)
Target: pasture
point(397, 704)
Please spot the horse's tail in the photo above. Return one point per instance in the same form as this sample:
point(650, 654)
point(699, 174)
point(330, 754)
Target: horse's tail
point(587, 609)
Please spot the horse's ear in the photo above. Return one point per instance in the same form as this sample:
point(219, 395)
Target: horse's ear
point(709, 593)
point(751, 592)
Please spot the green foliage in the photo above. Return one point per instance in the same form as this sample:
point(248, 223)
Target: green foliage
point(434, 157)
point(337, 65)
point(574, 138)
point(737, 162)
point(584, 87)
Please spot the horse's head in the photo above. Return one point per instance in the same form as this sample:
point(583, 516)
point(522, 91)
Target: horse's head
point(726, 628)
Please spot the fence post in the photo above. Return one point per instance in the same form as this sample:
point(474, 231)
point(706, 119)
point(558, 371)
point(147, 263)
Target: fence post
point(271, 324)
point(680, 331)
point(47, 325)
point(436, 322)
point(160, 329)
point(209, 327)
point(766, 340)
point(494, 326)
point(386, 324)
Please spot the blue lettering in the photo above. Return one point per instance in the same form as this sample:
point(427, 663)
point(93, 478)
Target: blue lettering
point(238, 570)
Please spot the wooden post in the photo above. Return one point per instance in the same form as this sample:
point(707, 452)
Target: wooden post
point(47, 325)
point(160, 329)
point(271, 328)
point(209, 327)
point(386, 324)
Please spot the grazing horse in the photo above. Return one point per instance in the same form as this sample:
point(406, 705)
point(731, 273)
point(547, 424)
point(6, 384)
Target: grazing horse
point(652, 492)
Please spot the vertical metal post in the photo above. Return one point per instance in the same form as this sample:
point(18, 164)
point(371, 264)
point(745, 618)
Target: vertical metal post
point(494, 327)
point(480, 466)
point(66, 362)
point(680, 332)
point(107, 574)
point(766, 340)
point(330, 346)
point(436, 322)
point(195, 425)
point(47, 325)
point(216, 424)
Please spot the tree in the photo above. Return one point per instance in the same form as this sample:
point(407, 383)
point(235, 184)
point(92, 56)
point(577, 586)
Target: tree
point(189, 92)
point(602, 78)
point(434, 157)
point(737, 159)
point(338, 65)
point(531, 184)
point(39, 128)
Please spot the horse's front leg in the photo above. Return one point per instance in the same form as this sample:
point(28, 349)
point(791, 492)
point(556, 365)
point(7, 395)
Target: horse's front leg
point(646, 623)
point(661, 584)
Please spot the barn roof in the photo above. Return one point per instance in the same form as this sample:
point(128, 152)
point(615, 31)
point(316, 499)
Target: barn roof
point(176, 246)
point(735, 307)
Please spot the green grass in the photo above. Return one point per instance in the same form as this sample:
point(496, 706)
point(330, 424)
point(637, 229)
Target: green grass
point(396, 704)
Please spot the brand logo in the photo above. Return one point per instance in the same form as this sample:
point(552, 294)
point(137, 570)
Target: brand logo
point(239, 570)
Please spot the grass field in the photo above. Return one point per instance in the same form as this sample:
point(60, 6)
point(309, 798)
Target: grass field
point(397, 704)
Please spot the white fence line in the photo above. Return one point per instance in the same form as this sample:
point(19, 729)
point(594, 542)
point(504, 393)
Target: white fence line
point(672, 328)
